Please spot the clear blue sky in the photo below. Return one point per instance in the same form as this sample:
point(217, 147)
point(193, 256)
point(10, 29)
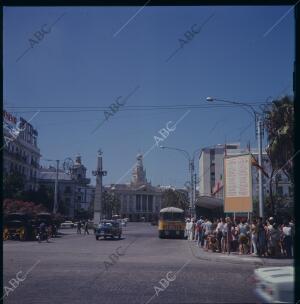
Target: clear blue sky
point(81, 63)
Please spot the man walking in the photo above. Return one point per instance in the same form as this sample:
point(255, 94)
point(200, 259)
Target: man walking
point(79, 227)
point(86, 228)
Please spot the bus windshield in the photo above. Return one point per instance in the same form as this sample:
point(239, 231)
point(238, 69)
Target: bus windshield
point(170, 216)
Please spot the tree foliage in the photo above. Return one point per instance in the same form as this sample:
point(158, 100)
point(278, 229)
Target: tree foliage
point(110, 204)
point(13, 185)
point(279, 122)
point(11, 206)
point(175, 198)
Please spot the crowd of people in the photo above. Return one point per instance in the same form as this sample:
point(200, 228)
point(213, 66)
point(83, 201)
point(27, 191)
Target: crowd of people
point(269, 238)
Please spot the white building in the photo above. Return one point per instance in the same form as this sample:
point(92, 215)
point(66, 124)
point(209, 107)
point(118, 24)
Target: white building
point(74, 190)
point(211, 171)
point(20, 153)
point(138, 198)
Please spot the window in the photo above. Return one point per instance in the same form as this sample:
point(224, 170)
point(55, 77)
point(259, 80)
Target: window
point(68, 189)
point(150, 203)
point(144, 202)
point(280, 191)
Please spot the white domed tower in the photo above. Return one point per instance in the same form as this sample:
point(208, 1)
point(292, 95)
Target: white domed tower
point(78, 170)
point(138, 173)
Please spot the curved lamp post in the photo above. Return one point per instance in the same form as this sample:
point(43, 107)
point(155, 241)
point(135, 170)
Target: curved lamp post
point(192, 170)
point(259, 132)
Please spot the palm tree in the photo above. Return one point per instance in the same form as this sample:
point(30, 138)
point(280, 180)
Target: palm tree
point(279, 122)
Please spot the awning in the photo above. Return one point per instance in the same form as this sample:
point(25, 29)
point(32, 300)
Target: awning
point(209, 202)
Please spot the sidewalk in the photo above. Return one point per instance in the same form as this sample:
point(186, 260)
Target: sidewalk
point(235, 258)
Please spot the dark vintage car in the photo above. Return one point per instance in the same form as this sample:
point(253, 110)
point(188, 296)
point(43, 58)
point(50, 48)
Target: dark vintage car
point(108, 228)
point(18, 226)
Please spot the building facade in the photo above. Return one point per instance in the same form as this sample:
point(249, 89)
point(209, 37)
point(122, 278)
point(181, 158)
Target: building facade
point(21, 154)
point(139, 199)
point(74, 190)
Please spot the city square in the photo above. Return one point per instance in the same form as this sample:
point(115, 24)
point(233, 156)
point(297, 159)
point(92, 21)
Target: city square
point(149, 154)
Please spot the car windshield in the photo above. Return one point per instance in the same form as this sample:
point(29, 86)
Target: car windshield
point(106, 224)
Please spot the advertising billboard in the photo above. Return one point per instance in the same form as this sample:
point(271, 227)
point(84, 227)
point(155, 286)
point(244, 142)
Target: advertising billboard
point(238, 184)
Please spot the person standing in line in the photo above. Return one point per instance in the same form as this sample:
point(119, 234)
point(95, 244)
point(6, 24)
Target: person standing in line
point(199, 227)
point(273, 238)
point(229, 234)
point(208, 231)
point(254, 232)
point(287, 239)
point(243, 240)
point(219, 231)
point(79, 227)
point(196, 231)
point(292, 225)
point(188, 229)
point(261, 238)
point(224, 237)
point(193, 229)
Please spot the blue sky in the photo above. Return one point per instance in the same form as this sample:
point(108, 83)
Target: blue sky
point(86, 61)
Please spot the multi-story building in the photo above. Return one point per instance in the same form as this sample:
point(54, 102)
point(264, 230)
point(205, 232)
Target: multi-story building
point(74, 190)
point(211, 171)
point(20, 152)
point(138, 198)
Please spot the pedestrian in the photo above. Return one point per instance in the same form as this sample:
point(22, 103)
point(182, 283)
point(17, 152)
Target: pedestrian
point(79, 227)
point(235, 238)
point(193, 229)
point(254, 233)
point(292, 225)
point(207, 233)
point(197, 231)
point(219, 231)
point(86, 228)
point(243, 239)
point(188, 228)
point(273, 238)
point(200, 230)
point(261, 238)
point(229, 234)
point(287, 239)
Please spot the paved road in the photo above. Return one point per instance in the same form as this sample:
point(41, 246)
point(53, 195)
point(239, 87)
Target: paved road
point(78, 269)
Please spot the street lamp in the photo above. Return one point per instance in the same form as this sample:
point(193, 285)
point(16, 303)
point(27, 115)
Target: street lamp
point(191, 169)
point(259, 132)
point(67, 166)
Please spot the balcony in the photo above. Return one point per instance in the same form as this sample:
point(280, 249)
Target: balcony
point(15, 155)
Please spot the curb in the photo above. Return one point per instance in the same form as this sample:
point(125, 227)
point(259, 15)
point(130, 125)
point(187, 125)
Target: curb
point(233, 259)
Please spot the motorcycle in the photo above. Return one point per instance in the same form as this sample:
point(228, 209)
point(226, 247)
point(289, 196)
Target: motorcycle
point(42, 236)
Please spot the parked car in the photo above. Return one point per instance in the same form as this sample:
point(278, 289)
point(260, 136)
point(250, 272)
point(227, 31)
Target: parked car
point(108, 228)
point(67, 224)
point(274, 284)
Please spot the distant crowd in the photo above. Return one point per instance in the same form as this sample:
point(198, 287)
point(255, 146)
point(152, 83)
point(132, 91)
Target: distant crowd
point(267, 238)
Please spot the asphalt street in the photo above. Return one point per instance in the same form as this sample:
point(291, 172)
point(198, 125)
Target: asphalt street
point(140, 268)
